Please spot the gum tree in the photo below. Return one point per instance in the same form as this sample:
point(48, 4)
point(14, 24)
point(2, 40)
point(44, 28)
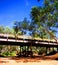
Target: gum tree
point(45, 19)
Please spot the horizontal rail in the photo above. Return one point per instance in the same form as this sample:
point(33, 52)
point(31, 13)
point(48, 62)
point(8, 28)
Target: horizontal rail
point(33, 40)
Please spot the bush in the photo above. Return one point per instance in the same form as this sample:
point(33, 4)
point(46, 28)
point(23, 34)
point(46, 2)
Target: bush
point(12, 54)
point(42, 51)
point(9, 54)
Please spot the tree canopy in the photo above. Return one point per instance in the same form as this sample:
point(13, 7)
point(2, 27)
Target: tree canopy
point(45, 18)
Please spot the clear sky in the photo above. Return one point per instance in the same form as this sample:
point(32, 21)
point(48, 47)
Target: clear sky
point(16, 10)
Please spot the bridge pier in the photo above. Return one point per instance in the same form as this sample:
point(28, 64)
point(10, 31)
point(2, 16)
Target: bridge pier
point(27, 48)
point(46, 50)
point(53, 48)
point(57, 49)
point(20, 50)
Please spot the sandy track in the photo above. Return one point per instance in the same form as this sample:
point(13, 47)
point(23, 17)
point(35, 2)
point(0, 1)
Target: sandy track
point(27, 61)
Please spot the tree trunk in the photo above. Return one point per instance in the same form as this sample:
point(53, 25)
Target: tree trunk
point(54, 37)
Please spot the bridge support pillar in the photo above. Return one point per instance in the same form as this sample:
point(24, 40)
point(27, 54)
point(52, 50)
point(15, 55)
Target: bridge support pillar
point(46, 50)
point(27, 48)
point(49, 49)
point(53, 48)
point(57, 49)
point(20, 50)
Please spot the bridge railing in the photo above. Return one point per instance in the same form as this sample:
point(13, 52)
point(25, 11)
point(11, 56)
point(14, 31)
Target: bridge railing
point(13, 39)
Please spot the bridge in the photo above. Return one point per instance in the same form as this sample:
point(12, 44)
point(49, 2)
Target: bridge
point(8, 40)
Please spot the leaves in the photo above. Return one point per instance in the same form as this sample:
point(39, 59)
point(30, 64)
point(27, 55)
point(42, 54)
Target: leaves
point(1, 29)
point(45, 17)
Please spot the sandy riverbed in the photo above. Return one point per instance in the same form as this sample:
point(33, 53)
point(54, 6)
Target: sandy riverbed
point(40, 60)
point(28, 61)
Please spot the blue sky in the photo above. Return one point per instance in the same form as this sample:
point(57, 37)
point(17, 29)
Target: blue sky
point(16, 10)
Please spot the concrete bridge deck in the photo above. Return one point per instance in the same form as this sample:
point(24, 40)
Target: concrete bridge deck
point(4, 40)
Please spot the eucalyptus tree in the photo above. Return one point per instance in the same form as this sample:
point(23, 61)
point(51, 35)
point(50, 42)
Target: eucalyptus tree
point(7, 30)
point(25, 26)
point(45, 18)
point(1, 29)
point(16, 29)
point(21, 26)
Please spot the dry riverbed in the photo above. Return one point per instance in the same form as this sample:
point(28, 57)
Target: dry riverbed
point(40, 60)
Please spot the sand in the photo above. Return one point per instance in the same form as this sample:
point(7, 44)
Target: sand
point(27, 61)
point(40, 60)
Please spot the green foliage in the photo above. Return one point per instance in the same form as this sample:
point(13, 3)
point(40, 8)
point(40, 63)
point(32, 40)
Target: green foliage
point(1, 29)
point(7, 30)
point(42, 50)
point(9, 54)
point(21, 27)
point(7, 50)
point(45, 19)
